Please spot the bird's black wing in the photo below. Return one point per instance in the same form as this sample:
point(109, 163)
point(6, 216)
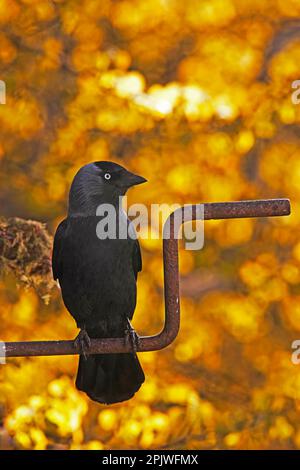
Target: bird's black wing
point(136, 259)
point(136, 252)
point(58, 248)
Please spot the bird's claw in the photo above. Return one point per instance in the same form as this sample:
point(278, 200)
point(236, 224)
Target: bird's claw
point(83, 342)
point(131, 337)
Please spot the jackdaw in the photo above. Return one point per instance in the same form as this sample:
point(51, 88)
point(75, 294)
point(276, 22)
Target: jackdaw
point(97, 275)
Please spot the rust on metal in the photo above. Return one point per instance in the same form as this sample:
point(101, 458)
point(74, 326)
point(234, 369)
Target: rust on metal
point(219, 210)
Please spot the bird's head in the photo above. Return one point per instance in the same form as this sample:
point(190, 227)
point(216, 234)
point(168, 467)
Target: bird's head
point(99, 183)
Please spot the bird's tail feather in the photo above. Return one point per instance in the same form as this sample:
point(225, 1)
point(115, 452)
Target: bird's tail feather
point(109, 378)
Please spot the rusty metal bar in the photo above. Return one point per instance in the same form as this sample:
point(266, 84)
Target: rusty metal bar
point(220, 210)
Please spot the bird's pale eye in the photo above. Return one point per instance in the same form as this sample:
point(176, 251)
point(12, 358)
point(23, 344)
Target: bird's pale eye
point(107, 176)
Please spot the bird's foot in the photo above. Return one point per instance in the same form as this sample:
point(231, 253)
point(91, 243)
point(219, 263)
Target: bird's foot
point(83, 342)
point(131, 337)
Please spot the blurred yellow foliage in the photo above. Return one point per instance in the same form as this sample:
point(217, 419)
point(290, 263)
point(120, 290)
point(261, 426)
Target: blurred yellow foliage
point(195, 96)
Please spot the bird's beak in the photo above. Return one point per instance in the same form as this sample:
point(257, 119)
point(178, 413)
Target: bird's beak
point(132, 180)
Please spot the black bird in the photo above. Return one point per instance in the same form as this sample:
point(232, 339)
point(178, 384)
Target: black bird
point(98, 277)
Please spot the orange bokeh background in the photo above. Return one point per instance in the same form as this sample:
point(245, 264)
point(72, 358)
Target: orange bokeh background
point(196, 97)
